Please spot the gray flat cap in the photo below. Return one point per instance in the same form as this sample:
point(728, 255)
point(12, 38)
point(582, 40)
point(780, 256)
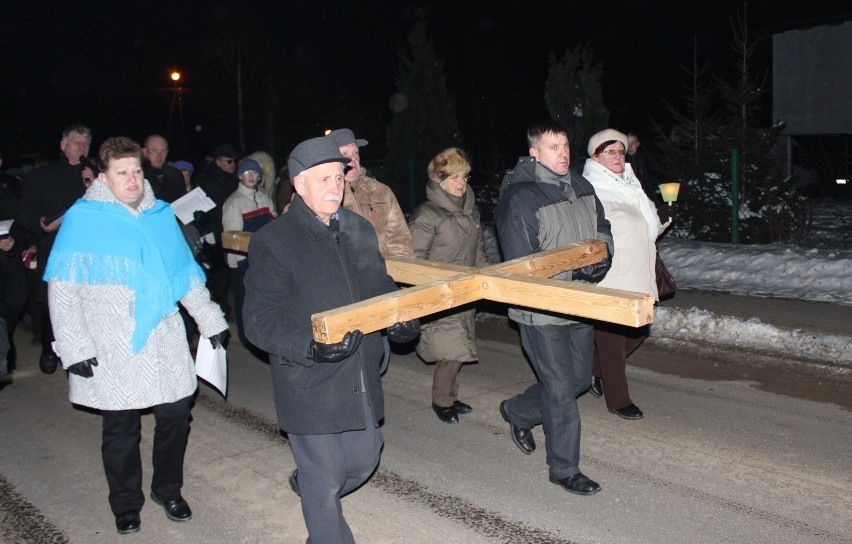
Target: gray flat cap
point(344, 136)
point(312, 152)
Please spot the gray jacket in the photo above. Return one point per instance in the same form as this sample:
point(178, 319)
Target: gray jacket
point(540, 210)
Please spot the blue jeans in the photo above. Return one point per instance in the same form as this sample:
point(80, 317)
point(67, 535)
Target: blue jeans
point(561, 356)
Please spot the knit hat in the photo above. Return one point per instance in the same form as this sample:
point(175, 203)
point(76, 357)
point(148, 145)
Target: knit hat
point(249, 165)
point(312, 152)
point(344, 136)
point(184, 165)
point(605, 136)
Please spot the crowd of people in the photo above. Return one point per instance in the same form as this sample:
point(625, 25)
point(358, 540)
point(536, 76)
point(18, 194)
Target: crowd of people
point(122, 291)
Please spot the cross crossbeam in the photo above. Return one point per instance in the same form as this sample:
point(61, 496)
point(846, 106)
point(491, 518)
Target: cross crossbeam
point(519, 282)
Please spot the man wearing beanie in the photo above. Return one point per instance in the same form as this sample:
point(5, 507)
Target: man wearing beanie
point(247, 209)
point(328, 397)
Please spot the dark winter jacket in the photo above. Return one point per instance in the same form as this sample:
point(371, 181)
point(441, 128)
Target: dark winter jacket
point(299, 267)
point(540, 210)
point(447, 230)
point(167, 182)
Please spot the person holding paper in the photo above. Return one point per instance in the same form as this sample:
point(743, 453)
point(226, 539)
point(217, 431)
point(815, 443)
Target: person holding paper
point(328, 397)
point(117, 270)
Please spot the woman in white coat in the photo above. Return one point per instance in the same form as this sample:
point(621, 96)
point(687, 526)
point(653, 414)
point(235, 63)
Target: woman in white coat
point(635, 228)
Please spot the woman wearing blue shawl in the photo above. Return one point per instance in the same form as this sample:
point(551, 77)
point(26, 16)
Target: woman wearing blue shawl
point(117, 270)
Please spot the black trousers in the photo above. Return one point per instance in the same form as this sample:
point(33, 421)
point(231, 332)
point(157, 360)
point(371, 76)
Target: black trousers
point(122, 430)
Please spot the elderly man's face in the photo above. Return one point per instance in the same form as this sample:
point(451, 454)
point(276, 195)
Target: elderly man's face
point(353, 169)
point(321, 187)
point(74, 146)
point(156, 151)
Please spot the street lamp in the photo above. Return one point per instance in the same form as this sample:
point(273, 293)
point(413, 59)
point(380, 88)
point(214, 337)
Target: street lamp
point(177, 98)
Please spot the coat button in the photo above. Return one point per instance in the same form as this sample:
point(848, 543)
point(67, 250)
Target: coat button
point(354, 390)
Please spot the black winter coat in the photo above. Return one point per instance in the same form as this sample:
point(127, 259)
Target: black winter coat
point(300, 267)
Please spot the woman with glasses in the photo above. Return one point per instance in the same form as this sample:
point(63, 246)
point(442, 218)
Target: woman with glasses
point(635, 228)
point(446, 229)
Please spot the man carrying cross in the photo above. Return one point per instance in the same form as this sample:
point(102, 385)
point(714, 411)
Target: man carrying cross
point(543, 205)
point(328, 396)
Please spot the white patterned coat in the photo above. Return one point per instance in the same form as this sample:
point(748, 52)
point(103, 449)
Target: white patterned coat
point(97, 321)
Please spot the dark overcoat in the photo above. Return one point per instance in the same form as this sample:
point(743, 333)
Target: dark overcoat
point(299, 267)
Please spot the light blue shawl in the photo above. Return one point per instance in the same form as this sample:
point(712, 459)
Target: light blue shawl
point(101, 243)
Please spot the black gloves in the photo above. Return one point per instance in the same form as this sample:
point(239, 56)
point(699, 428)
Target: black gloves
point(594, 272)
point(334, 353)
point(404, 331)
point(665, 212)
point(201, 220)
point(84, 368)
point(219, 338)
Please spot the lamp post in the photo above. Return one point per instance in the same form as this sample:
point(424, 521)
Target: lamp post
point(177, 98)
point(669, 192)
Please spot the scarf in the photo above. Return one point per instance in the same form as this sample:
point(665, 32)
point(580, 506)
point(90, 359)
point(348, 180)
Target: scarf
point(103, 243)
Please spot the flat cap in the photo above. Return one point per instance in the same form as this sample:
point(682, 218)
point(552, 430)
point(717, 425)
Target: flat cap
point(312, 152)
point(344, 136)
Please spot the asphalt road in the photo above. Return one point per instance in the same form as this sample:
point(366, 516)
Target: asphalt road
point(713, 461)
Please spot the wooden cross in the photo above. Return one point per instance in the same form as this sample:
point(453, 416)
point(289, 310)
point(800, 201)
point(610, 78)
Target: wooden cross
point(519, 282)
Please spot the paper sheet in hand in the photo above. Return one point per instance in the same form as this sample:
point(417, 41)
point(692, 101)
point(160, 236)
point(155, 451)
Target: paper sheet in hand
point(5, 226)
point(211, 365)
point(192, 201)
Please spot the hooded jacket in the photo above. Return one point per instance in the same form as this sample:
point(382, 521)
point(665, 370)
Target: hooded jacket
point(448, 230)
point(540, 210)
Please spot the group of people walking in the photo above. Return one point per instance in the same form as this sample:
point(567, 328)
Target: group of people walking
point(120, 266)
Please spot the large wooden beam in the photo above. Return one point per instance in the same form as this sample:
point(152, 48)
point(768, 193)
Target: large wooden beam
point(520, 282)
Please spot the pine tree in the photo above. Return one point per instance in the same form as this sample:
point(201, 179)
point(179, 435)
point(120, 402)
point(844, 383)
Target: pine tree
point(424, 120)
point(574, 98)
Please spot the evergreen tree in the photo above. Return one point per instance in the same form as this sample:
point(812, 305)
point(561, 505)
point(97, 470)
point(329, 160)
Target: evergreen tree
point(694, 154)
point(574, 98)
point(771, 210)
point(424, 120)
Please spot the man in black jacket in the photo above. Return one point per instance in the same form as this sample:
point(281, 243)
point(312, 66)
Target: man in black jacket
point(544, 205)
point(48, 192)
point(218, 182)
point(328, 397)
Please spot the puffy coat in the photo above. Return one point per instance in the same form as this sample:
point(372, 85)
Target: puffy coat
point(242, 201)
point(448, 230)
point(97, 321)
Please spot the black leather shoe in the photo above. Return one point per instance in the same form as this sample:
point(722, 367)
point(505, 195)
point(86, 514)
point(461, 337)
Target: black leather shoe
point(127, 522)
point(597, 388)
point(462, 408)
point(578, 483)
point(522, 438)
point(176, 509)
point(446, 414)
point(48, 362)
point(631, 411)
point(294, 483)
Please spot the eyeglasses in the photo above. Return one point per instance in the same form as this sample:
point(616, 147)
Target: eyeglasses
point(612, 152)
point(459, 176)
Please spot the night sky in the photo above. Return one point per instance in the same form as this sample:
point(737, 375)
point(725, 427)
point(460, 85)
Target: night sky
point(330, 64)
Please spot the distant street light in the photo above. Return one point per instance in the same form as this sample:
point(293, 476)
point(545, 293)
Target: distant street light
point(177, 98)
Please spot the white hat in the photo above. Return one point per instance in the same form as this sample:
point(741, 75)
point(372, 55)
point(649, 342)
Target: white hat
point(606, 135)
